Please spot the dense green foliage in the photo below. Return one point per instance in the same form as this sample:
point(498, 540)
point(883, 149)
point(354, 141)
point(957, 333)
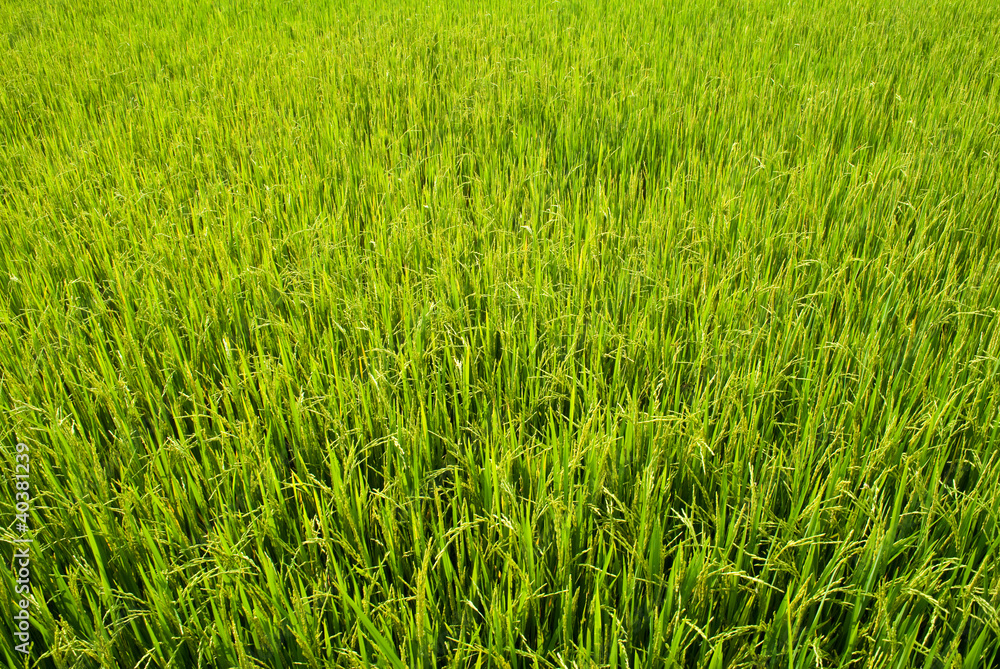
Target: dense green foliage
point(541, 334)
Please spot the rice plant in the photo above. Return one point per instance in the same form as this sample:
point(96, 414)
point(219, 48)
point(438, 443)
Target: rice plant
point(490, 334)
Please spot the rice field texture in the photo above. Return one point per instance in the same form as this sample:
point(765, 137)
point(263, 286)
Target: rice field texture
point(538, 334)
